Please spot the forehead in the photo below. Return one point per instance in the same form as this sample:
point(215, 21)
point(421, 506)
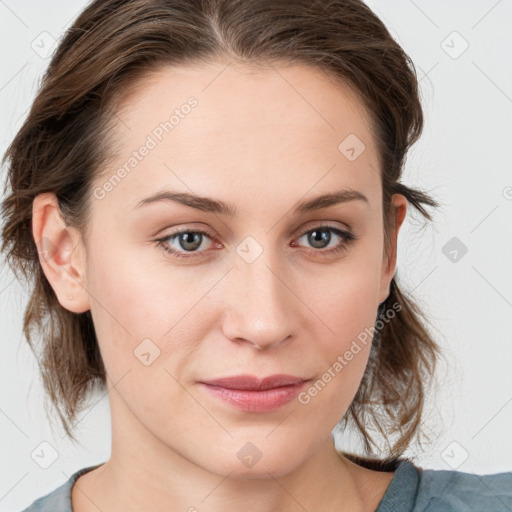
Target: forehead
point(289, 126)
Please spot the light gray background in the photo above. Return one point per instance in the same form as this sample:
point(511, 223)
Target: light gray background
point(463, 159)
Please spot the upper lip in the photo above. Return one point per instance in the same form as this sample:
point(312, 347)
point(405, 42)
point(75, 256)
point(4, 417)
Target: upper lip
point(252, 382)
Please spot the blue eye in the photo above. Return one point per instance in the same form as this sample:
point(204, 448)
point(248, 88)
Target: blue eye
point(191, 244)
point(187, 242)
point(316, 238)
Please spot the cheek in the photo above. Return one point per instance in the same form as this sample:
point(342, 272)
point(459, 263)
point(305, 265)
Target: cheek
point(140, 309)
point(347, 304)
point(344, 357)
point(124, 306)
point(348, 299)
point(125, 287)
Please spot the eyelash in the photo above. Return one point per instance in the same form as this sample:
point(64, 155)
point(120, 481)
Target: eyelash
point(347, 237)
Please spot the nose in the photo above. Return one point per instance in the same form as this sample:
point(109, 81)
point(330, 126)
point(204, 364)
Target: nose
point(261, 304)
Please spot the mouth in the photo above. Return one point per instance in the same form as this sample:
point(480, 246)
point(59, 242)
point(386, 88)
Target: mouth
point(255, 394)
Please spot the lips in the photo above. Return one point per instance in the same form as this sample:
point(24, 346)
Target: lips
point(253, 394)
point(254, 383)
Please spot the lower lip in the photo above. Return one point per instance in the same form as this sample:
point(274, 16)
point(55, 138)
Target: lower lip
point(256, 401)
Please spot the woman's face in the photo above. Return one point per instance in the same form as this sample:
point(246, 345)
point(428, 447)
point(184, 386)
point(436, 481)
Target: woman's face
point(267, 290)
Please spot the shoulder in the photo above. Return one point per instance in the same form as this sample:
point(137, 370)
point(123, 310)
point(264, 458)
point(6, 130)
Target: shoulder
point(450, 491)
point(415, 489)
point(58, 500)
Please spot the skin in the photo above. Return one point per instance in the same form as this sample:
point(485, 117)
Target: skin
point(263, 140)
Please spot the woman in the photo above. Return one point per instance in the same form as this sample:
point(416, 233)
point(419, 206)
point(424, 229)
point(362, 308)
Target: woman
point(207, 196)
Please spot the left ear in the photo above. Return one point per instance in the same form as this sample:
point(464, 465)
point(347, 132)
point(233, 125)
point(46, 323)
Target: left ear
point(390, 250)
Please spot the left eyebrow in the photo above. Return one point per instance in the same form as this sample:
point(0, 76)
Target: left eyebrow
point(324, 201)
point(207, 204)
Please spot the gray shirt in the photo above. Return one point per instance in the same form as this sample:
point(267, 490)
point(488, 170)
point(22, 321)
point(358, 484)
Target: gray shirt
point(412, 489)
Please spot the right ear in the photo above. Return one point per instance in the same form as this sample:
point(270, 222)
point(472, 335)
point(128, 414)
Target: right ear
point(61, 253)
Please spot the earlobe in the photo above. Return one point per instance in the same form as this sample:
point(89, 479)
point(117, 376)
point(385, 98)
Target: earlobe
point(61, 253)
point(390, 256)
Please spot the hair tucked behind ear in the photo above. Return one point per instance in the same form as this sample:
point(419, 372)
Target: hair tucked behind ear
point(64, 143)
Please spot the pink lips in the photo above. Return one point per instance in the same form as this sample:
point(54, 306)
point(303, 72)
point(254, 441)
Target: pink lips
point(255, 394)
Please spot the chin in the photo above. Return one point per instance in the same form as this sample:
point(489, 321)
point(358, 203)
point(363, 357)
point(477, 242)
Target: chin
point(249, 463)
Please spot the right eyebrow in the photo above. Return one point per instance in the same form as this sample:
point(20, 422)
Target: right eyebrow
point(204, 204)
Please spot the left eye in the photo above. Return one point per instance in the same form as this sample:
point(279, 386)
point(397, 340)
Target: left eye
point(316, 238)
point(191, 240)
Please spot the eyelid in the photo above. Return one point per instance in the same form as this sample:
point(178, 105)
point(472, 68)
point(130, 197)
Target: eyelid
point(309, 226)
point(314, 224)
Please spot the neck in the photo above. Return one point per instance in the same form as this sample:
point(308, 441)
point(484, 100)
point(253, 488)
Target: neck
point(145, 474)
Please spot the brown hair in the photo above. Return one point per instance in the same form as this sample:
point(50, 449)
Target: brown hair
point(63, 144)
